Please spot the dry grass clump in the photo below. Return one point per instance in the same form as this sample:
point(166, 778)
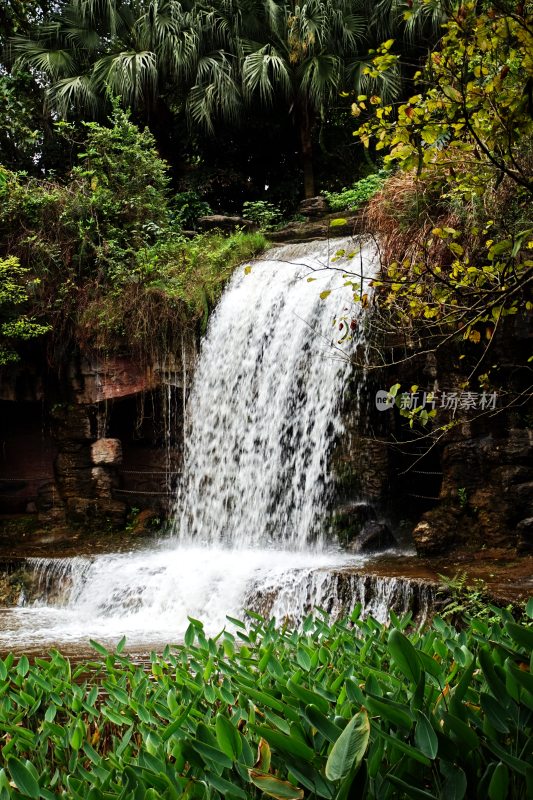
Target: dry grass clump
point(401, 217)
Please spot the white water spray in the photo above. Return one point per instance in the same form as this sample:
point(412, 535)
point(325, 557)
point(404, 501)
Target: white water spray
point(266, 402)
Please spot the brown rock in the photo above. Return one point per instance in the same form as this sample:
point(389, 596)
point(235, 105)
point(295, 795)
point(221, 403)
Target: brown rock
point(95, 513)
point(72, 423)
point(225, 223)
point(104, 480)
point(437, 532)
point(106, 451)
point(313, 207)
point(524, 529)
point(67, 462)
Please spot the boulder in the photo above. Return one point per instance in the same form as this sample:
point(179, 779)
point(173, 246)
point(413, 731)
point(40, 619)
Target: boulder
point(106, 451)
point(524, 529)
point(313, 207)
point(374, 536)
point(225, 223)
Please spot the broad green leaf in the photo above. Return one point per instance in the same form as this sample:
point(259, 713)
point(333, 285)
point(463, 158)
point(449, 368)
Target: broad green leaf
point(99, 648)
point(496, 713)
point(349, 749)
point(401, 745)
point(405, 656)
point(225, 788)
point(23, 778)
point(393, 712)
point(303, 659)
point(466, 737)
point(517, 764)
point(211, 754)
point(522, 635)
point(286, 744)
point(307, 696)
point(274, 787)
point(425, 737)
point(499, 783)
point(322, 723)
point(228, 737)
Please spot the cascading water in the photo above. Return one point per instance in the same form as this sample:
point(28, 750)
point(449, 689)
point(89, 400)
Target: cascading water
point(265, 406)
point(251, 510)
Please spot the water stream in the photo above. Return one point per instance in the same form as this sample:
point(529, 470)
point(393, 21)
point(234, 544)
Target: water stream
point(250, 519)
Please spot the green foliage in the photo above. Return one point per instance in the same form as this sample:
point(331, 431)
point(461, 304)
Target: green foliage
point(14, 326)
point(106, 255)
point(464, 141)
point(265, 214)
point(351, 708)
point(20, 137)
point(353, 198)
point(121, 198)
point(470, 599)
point(186, 207)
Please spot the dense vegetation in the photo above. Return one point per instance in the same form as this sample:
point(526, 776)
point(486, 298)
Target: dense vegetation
point(105, 250)
point(460, 257)
point(94, 217)
point(346, 709)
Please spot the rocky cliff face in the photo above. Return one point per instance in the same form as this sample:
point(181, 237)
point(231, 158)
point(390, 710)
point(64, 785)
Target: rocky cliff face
point(467, 487)
point(85, 449)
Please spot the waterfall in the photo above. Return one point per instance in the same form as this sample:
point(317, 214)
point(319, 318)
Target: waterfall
point(266, 402)
point(251, 512)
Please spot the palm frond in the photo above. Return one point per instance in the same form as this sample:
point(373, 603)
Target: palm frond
point(129, 75)
point(74, 92)
point(54, 63)
point(216, 93)
point(319, 79)
point(265, 72)
point(431, 14)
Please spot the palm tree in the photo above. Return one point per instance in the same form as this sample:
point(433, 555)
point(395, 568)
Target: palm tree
point(90, 50)
point(280, 50)
point(217, 60)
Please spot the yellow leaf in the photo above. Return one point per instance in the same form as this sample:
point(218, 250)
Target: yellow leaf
point(247, 270)
point(474, 336)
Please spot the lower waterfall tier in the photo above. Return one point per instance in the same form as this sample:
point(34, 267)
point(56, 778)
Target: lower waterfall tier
point(149, 595)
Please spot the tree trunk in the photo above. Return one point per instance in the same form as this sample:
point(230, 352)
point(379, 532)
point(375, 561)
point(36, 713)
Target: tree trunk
point(306, 144)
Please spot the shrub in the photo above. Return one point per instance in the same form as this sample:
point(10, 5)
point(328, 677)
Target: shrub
point(265, 214)
point(353, 198)
point(187, 207)
point(109, 265)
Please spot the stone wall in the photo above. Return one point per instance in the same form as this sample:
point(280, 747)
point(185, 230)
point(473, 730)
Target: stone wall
point(468, 488)
point(105, 438)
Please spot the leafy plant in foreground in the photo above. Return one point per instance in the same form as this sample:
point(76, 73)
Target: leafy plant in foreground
point(346, 709)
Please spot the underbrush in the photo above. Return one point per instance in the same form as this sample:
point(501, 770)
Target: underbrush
point(346, 709)
point(355, 196)
point(175, 285)
point(105, 261)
